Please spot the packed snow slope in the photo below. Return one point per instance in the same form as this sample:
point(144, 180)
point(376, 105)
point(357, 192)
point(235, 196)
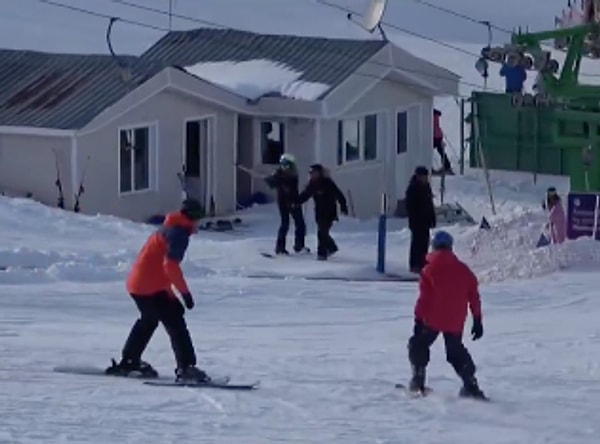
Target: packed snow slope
point(327, 352)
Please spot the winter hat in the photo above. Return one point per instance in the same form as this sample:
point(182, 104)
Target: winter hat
point(421, 171)
point(192, 209)
point(287, 160)
point(442, 240)
point(316, 168)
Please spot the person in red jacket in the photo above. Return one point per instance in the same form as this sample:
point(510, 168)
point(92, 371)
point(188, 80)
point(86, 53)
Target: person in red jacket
point(155, 271)
point(447, 287)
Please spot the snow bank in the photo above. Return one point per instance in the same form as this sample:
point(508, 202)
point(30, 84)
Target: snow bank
point(255, 78)
point(508, 250)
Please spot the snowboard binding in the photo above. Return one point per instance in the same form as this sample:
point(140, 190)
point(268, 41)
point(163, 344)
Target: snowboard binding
point(131, 369)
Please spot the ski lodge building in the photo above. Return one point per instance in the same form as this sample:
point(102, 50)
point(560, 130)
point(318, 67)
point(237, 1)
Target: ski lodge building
point(216, 104)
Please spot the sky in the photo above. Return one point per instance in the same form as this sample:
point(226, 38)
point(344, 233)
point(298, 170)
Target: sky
point(32, 24)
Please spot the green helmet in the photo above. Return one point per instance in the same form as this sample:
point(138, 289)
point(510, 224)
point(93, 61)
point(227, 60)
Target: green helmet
point(287, 161)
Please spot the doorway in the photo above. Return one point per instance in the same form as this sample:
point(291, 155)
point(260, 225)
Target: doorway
point(198, 153)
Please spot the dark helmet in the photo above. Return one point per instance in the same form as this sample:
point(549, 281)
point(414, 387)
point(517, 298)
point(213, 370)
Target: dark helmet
point(421, 171)
point(192, 209)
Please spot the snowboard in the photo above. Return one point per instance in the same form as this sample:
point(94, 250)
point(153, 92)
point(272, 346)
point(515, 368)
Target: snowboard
point(220, 382)
point(217, 383)
point(97, 371)
point(429, 390)
point(414, 394)
point(304, 253)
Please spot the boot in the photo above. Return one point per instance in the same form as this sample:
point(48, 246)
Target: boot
point(470, 389)
point(191, 374)
point(280, 250)
point(417, 382)
point(131, 368)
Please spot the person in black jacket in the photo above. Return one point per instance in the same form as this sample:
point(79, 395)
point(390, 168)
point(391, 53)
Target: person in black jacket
point(326, 196)
point(285, 180)
point(421, 217)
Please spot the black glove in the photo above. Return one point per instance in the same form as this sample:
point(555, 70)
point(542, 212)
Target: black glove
point(477, 329)
point(344, 211)
point(188, 300)
point(418, 328)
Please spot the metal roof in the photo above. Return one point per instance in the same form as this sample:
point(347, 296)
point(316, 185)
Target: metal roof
point(66, 91)
point(61, 91)
point(322, 60)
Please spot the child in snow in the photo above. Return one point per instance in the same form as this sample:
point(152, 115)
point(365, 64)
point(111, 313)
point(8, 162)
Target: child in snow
point(556, 217)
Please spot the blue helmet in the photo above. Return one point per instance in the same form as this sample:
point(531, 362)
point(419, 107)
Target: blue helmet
point(442, 240)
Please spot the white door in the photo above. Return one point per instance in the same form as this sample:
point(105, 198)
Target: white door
point(198, 154)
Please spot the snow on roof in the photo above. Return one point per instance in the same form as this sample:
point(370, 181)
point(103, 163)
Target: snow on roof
point(255, 78)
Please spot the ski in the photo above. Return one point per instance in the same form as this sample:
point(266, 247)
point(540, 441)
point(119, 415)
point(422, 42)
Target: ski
point(216, 383)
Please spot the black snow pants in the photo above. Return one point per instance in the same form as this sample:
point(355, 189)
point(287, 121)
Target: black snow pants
point(326, 246)
point(295, 211)
point(419, 246)
point(164, 308)
point(457, 354)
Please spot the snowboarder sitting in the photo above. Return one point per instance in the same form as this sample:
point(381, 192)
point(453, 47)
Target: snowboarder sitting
point(421, 217)
point(149, 283)
point(446, 287)
point(326, 196)
point(285, 180)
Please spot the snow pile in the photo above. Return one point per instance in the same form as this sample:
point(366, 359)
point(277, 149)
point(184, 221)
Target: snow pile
point(255, 78)
point(508, 250)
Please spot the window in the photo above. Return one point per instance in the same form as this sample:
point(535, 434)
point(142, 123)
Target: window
point(357, 139)
point(401, 132)
point(134, 159)
point(272, 145)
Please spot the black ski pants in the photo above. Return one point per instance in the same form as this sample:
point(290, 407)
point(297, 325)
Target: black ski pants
point(295, 211)
point(419, 246)
point(457, 354)
point(325, 243)
point(166, 309)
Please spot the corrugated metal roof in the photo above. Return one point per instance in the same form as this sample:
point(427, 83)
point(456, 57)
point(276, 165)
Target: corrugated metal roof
point(62, 91)
point(66, 91)
point(321, 60)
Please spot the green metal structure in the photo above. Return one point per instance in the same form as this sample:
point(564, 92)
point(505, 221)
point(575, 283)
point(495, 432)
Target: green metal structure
point(556, 131)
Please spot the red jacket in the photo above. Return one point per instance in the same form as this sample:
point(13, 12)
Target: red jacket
point(157, 268)
point(446, 287)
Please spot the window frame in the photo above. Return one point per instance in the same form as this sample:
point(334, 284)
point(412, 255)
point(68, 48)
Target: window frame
point(152, 152)
point(362, 140)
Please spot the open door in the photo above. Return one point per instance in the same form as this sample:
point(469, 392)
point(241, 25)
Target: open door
point(198, 154)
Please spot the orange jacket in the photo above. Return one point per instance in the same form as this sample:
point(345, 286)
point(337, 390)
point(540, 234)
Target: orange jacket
point(447, 287)
point(157, 268)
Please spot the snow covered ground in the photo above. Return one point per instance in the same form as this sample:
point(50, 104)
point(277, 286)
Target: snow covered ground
point(327, 352)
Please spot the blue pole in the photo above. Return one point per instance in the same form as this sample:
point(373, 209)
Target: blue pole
point(381, 235)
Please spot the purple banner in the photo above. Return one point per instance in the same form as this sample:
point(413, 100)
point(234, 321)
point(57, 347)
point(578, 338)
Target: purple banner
point(582, 209)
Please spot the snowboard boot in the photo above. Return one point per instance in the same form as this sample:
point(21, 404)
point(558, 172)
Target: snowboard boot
point(299, 250)
point(282, 251)
point(191, 374)
point(131, 368)
point(417, 382)
point(470, 389)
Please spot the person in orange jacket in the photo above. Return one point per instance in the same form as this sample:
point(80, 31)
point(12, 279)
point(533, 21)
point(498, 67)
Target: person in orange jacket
point(447, 287)
point(155, 271)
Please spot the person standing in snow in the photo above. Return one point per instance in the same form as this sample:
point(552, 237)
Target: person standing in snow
point(285, 181)
point(447, 287)
point(326, 196)
point(438, 142)
point(557, 220)
point(421, 217)
point(149, 284)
